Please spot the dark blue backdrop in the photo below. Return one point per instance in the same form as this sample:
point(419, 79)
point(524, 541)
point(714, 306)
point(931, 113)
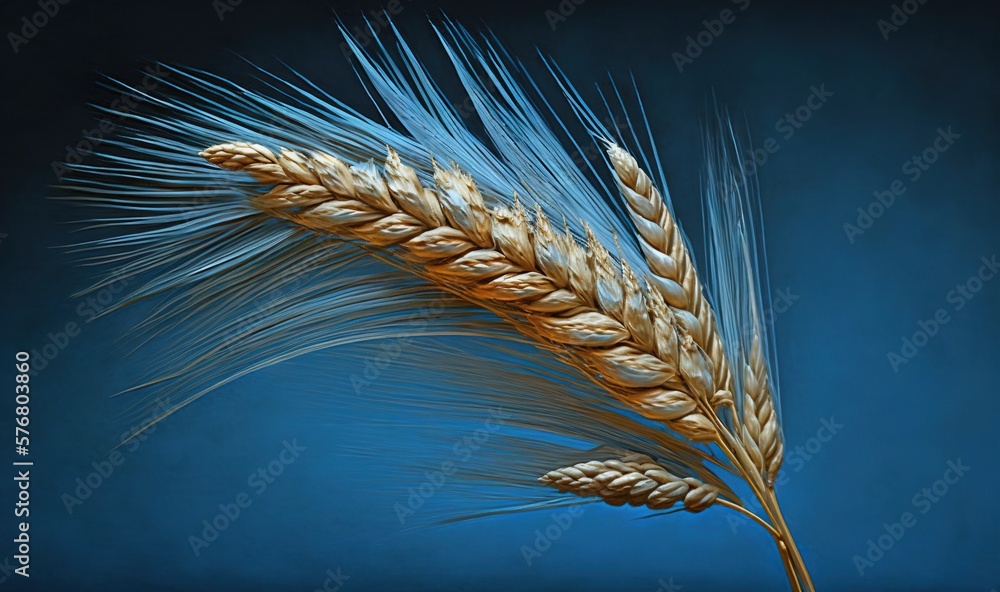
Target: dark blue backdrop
point(905, 279)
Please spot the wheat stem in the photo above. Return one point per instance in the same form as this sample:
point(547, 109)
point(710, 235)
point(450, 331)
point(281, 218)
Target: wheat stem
point(797, 559)
point(786, 558)
point(790, 569)
point(769, 502)
point(770, 529)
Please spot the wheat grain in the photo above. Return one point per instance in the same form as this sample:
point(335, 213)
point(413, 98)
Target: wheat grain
point(673, 273)
point(672, 269)
point(761, 430)
point(636, 480)
point(563, 294)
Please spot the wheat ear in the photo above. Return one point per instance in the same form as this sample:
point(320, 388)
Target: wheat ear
point(623, 335)
point(673, 271)
point(567, 296)
point(761, 430)
point(755, 446)
point(636, 480)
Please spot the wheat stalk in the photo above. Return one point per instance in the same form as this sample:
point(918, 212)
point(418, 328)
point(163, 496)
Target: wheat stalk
point(654, 348)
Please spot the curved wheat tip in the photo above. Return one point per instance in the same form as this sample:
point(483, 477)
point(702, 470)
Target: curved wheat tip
point(636, 480)
point(761, 431)
point(672, 270)
point(567, 296)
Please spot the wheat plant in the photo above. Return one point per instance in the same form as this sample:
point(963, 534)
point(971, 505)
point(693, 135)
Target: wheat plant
point(588, 264)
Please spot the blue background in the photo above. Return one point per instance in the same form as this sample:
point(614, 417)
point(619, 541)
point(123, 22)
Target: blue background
point(853, 304)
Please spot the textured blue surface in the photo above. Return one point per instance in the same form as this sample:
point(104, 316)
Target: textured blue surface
point(848, 306)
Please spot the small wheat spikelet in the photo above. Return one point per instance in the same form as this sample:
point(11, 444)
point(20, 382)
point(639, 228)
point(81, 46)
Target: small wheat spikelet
point(577, 275)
